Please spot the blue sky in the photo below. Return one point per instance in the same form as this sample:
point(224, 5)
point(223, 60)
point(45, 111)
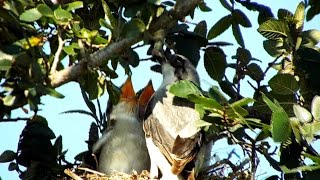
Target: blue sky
point(74, 128)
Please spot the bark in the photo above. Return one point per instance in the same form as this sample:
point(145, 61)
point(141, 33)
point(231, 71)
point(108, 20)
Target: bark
point(165, 21)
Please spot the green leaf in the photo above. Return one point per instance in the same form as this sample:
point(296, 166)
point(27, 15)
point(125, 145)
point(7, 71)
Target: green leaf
point(114, 92)
point(133, 28)
point(310, 38)
point(7, 156)
point(109, 16)
point(315, 107)
point(73, 5)
point(54, 93)
point(30, 15)
point(226, 5)
point(183, 88)
point(295, 124)
point(202, 123)
point(201, 28)
point(58, 145)
point(241, 18)
point(280, 125)
point(12, 167)
point(222, 25)
point(302, 113)
point(284, 84)
point(155, 2)
point(315, 159)
point(243, 102)
point(299, 169)
point(5, 64)
point(237, 34)
point(62, 15)
point(206, 103)
point(299, 16)
point(79, 111)
point(203, 7)
point(285, 14)
point(215, 63)
point(9, 100)
point(105, 24)
point(45, 10)
point(255, 72)
point(274, 47)
point(273, 29)
point(244, 56)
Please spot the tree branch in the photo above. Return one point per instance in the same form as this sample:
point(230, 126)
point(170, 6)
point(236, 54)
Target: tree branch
point(165, 21)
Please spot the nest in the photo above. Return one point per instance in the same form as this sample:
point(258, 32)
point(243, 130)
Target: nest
point(89, 174)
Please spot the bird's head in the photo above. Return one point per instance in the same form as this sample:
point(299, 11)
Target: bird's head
point(180, 67)
point(128, 96)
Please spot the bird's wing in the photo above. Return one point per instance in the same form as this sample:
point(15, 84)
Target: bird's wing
point(102, 141)
point(179, 151)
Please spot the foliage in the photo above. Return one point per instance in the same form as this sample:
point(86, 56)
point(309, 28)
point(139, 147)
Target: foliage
point(45, 44)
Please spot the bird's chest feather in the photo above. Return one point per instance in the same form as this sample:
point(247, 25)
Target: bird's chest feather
point(177, 116)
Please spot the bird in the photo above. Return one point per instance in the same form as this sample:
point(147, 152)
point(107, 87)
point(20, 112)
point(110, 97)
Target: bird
point(172, 137)
point(123, 147)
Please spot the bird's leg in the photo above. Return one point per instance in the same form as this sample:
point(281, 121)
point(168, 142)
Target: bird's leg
point(159, 160)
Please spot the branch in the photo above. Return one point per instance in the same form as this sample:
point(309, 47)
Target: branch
point(165, 21)
point(57, 54)
point(14, 119)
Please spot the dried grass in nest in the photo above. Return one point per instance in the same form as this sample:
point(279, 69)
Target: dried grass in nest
point(89, 174)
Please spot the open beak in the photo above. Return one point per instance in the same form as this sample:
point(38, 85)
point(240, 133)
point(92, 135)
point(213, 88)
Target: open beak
point(145, 97)
point(127, 91)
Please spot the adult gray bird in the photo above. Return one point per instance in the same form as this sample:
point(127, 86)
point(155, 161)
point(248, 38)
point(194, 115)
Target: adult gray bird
point(173, 140)
point(123, 147)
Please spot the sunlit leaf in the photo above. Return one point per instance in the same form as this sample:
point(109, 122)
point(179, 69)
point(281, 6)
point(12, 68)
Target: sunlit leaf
point(222, 25)
point(315, 108)
point(302, 114)
point(243, 102)
point(73, 5)
point(273, 29)
point(54, 93)
point(284, 84)
point(45, 10)
point(9, 100)
point(183, 88)
point(280, 125)
point(206, 103)
point(62, 15)
point(315, 159)
point(310, 38)
point(274, 47)
point(202, 123)
point(299, 16)
point(30, 15)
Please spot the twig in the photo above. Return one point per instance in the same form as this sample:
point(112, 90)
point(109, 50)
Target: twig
point(57, 54)
point(14, 119)
point(72, 174)
point(270, 64)
point(90, 170)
